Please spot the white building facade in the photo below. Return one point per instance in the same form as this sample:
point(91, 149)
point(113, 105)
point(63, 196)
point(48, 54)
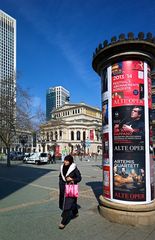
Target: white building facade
point(73, 127)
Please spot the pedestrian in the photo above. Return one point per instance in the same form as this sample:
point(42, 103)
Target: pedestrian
point(53, 158)
point(49, 158)
point(69, 174)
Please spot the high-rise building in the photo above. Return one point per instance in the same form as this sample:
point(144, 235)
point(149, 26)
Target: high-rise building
point(55, 97)
point(7, 77)
point(7, 53)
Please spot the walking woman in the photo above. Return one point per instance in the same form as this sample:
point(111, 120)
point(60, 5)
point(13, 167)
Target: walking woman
point(69, 174)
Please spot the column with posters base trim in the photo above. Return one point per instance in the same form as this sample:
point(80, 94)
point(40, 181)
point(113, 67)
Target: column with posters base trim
point(128, 166)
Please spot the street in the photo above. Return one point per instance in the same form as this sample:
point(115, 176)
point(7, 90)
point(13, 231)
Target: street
point(29, 205)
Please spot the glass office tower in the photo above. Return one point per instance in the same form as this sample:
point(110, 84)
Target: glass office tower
point(55, 97)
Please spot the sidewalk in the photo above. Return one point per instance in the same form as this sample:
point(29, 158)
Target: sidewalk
point(29, 206)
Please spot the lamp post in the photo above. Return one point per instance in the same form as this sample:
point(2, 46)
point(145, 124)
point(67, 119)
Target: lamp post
point(70, 147)
point(83, 144)
point(23, 140)
point(42, 140)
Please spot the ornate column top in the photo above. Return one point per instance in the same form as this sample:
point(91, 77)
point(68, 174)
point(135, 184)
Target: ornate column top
point(124, 48)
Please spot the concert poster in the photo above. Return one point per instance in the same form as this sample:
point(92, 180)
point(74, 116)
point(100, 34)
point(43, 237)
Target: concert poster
point(129, 178)
point(128, 154)
point(128, 83)
point(128, 125)
point(128, 128)
point(106, 181)
point(104, 82)
point(152, 164)
point(106, 165)
point(105, 143)
point(105, 113)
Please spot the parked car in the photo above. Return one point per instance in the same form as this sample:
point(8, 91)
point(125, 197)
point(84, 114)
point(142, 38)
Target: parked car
point(16, 155)
point(43, 158)
point(31, 158)
point(3, 156)
point(36, 158)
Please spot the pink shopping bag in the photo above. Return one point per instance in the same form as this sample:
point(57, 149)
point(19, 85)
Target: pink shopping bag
point(71, 190)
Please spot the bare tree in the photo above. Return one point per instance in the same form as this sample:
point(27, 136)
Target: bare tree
point(16, 113)
point(24, 114)
point(28, 117)
point(7, 114)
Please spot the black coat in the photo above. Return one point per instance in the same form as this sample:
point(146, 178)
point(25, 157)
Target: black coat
point(73, 172)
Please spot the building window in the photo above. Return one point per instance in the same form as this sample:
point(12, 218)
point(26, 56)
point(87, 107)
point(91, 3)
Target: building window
point(47, 136)
point(56, 135)
point(60, 133)
point(84, 136)
point(72, 135)
point(78, 137)
point(51, 136)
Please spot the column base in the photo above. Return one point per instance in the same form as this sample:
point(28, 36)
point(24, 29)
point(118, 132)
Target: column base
point(134, 215)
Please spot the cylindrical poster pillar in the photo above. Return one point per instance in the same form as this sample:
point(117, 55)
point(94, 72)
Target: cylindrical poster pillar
point(128, 167)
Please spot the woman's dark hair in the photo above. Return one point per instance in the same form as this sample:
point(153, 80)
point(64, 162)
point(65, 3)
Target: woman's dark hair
point(69, 158)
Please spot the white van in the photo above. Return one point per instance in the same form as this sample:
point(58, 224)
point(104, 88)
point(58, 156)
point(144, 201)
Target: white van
point(43, 158)
point(32, 158)
point(36, 158)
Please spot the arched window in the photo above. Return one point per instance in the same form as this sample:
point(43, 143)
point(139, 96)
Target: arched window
point(60, 134)
point(84, 135)
point(56, 135)
point(72, 135)
point(47, 136)
point(51, 135)
point(78, 137)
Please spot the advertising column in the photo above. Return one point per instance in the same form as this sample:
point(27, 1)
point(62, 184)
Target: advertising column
point(128, 131)
point(125, 65)
point(127, 141)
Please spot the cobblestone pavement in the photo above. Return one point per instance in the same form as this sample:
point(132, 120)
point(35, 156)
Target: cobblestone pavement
point(29, 206)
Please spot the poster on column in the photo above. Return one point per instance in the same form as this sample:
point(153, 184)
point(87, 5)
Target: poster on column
point(128, 131)
point(105, 114)
point(128, 83)
point(129, 178)
point(106, 165)
point(152, 165)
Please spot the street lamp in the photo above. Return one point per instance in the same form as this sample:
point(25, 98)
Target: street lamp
point(43, 143)
point(83, 144)
point(23, 140)
point(42, 140)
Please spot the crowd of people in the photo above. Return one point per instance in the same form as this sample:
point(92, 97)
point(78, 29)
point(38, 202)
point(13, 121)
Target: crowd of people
point(51, 157)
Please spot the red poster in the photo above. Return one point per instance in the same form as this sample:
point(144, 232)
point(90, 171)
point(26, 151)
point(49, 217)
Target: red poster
point(152, 165)
point(128, 83)
point(91, 135)
point(149, 87)
point(57, 150)
point(106, 181)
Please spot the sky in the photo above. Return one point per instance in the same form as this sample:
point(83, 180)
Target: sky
point(56, 40)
